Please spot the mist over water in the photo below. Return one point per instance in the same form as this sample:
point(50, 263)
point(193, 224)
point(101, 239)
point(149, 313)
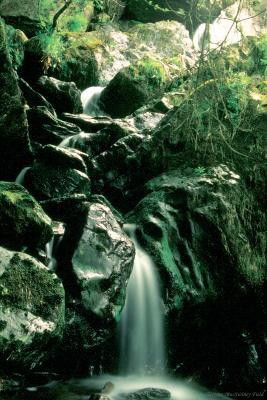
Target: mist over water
point(142, 337)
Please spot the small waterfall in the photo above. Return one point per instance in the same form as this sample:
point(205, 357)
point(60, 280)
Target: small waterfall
point(52, 262)
point(142, 338)
point(90, 101)
point(21, 176)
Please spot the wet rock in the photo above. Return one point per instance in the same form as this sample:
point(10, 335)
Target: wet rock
point(46, 128)
point(23, 221)
point(212, 266)
point(33, 98)
point(141, 83)
point(116, 180)
point(27, 328)
point(68, 158)
point(95, 143)
point(15, 149)
point(64, 96)
point(87, 123)
point(57, 179)
point(102, 262)
point(149, 394)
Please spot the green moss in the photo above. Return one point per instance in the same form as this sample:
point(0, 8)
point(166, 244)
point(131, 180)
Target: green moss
point(149, 71)
point(26, 286)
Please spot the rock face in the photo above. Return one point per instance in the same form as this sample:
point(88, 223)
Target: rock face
point(212, 267)
point(57, 173)
point(15, 148)
point(31, 310)
point(102, 262)
point(140, 83)
point(23, 221)
point(64, 96)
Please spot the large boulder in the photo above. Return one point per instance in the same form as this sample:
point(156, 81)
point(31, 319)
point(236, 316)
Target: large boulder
point(15, 148)
point(102, 262)
point(23, 221)
point(64, 96)
point(56, 173)
point(211, 261)
point(23, 15)
point(141, 83)
point(31, 311)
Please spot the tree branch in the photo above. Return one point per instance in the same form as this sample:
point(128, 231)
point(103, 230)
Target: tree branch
point(59, 12)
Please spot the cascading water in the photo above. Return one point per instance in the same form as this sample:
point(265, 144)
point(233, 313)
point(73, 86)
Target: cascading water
point(21, 176)
point(90, 101)
point(142, 336)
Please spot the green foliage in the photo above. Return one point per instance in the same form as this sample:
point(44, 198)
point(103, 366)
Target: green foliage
point(99, 5)
point(262, 49)
point(73, 19)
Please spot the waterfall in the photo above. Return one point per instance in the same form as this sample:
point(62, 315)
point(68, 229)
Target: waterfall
point(142, 338)
point(21, 176)
point(90, 101)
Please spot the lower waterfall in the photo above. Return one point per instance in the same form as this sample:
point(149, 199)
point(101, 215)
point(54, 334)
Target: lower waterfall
point(142, 335)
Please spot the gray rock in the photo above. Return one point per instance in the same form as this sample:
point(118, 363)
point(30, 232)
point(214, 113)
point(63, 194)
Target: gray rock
point(102, 262)
point(149, 394)
point(64, 96)
point(56, 181)
point(46, 128)
point(31, 310)
point(23, 221)
point(33, 98)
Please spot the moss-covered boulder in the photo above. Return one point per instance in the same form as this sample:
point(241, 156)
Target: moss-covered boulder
point(15, 148)
point(23, 221)
point(31, 311)
point(134, 86)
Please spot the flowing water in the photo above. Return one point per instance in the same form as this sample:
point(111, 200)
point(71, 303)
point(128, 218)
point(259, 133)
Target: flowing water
point(21, 176)
point(90, 101)
point(142, 338)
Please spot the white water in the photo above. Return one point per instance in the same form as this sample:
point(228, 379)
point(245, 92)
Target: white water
point(21, 176)
point(228, 28)
point(90, 101)
point(52, 262)
point(142, 338)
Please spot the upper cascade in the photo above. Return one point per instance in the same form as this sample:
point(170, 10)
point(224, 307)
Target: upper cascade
point(90, 101)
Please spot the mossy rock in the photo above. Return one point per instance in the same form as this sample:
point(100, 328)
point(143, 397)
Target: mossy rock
point(133, 87)
point(23, 221)
point(32, 310)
